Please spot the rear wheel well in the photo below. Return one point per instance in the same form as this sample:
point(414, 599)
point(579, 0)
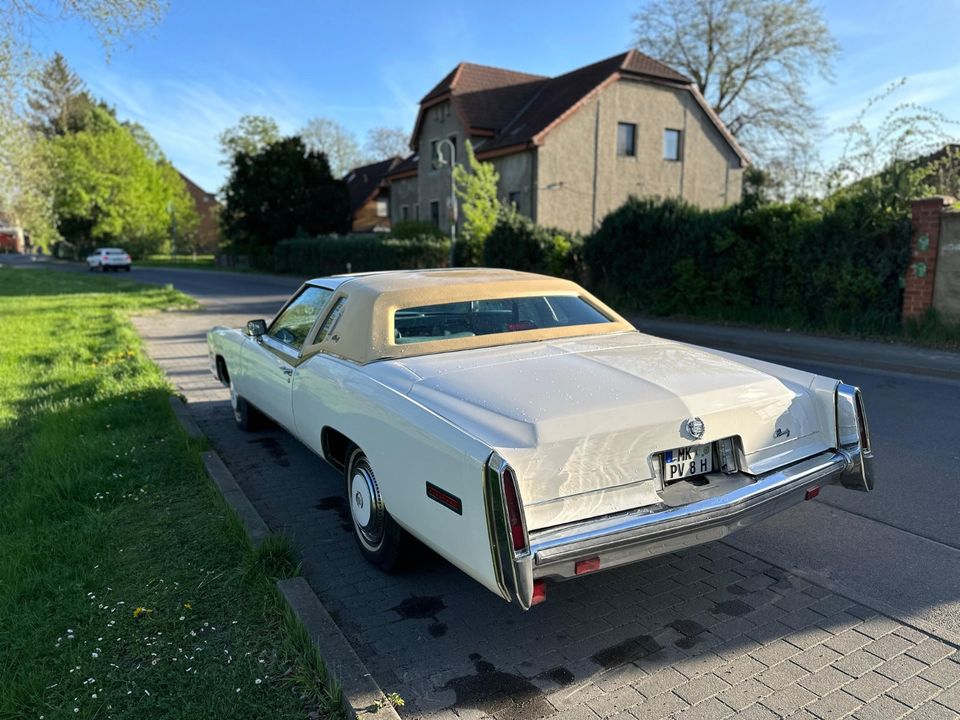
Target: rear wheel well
point(336, 447)
point(222, 374)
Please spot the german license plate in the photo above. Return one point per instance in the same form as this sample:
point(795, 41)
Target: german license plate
point(687, 462)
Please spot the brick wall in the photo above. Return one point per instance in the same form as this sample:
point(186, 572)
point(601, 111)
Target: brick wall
point(924, 246)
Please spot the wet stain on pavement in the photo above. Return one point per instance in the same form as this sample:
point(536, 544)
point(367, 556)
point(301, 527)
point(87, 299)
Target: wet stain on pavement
point(627, 651)
point(560, 675)
point(690, 629)
point(338, 504)
point(421, 607)
point(737, 589)
point(273, 448)
point(509, 697)
point(735, 608)
point(418, 607)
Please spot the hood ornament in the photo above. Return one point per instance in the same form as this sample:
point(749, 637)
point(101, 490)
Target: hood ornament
point(695, 428)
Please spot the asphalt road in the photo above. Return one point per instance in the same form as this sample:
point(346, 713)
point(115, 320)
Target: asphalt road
point(897, 548)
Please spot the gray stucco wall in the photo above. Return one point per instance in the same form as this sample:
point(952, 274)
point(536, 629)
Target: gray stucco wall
point(582, 151)
point(517, 176)
point(403, 193)
point(434, 185)
point(946, 287)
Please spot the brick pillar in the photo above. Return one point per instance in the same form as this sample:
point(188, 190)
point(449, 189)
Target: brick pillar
point(924, 243)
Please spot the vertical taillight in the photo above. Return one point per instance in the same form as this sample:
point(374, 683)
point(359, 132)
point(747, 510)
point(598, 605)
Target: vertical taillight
point(862, 425)
point(514, 516)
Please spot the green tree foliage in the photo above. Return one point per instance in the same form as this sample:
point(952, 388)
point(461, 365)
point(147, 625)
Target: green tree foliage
point(281, 192)
point(477, 189)
point(249, 136)
point(106, 191)
point(518, 243)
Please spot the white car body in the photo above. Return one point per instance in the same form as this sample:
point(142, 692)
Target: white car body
point(578, 427)
point(105, 259)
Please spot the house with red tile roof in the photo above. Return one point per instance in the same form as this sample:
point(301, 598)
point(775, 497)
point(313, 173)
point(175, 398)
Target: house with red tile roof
point(370, 196)
point(569, 149)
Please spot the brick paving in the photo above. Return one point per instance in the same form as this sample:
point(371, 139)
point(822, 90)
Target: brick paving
point(711, 632)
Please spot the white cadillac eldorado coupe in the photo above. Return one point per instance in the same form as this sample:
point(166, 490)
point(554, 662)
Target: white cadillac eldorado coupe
point(524, 430)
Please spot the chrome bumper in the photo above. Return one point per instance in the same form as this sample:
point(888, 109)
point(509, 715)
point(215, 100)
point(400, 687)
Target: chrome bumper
point(659, 529)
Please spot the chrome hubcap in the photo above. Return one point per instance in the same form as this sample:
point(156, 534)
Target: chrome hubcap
point(366, 506)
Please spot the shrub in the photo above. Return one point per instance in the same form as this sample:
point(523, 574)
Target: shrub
point(330, 255)
point(518, 243)
point(409, 229)
point(837, 267)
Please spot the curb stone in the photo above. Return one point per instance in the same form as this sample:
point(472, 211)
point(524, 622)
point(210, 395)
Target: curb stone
point(362, 695)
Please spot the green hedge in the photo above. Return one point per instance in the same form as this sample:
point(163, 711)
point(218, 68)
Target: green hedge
point(330, 255)
point(837, 267)
point(518, 243)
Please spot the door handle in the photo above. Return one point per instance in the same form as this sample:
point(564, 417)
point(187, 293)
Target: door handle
point(288, 371)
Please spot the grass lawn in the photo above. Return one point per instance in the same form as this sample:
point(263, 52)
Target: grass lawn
point(127, 587)
point(184, 262)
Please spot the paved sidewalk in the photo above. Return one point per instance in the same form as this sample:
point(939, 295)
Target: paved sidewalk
point(789, 346)
point(712, 632)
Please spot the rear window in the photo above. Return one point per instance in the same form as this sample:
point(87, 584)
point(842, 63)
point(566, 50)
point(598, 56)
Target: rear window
point(428, 323)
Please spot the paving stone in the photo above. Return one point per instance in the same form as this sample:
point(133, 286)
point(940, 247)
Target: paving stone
point(739, 670)
point(914, 691)
point(888, 646)
point(944, 673)
point(799, 619)
point(757, 712)
point(869, 686)
point(930, 651)
point(901, 667)
point(660, 682)
point(610, 703)
point(950, 698)
point(911, 634)
point(847, 641)
point(816, 657)
point(773, 652)
point(698, 665)
point(808, 637)
point(789, 699)
point(782, 675)
point(701, 688)
point(932, 711)
point(883, 708)
point(837, 704)
point(825, 680)
point(711, 709)
point(857, 663)
point(745, 694)
point(877, 626)
point(659, 707)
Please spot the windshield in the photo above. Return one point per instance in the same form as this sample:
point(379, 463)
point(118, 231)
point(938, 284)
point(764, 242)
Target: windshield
point(469, 318)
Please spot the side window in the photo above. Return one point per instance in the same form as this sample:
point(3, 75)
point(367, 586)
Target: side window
point(294, 323)
point(330, 322)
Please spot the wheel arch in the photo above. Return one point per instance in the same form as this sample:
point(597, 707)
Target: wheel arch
point(336, 447)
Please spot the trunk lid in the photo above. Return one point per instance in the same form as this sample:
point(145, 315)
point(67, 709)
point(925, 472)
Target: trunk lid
point(582, 420)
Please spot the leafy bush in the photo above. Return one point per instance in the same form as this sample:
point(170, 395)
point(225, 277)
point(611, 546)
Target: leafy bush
point(408, 229)
point(330, 255)
point(518, 243)
point(836, 267)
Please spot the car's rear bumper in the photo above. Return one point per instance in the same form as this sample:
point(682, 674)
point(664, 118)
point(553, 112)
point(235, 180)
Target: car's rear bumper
point(646, 532)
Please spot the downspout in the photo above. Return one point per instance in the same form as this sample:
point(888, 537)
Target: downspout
point(534, 192)
point(596, 164)
point(682, 149)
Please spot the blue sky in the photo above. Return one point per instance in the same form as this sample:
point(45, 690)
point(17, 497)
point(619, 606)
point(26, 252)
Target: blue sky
point(368, 64)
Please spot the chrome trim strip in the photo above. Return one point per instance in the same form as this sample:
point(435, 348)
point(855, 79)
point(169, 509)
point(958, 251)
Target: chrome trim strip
point(513, 570)
point(851, 421)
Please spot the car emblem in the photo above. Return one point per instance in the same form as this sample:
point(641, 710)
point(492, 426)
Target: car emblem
point(696, 428)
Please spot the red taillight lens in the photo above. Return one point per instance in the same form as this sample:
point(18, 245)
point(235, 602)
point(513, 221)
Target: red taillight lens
point(539, 592)
point(812, 492)
point(582, 567)
point(513, 510)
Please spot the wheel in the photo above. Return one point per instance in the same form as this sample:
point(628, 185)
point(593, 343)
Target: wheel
point(382, 542)
point(127, 268)
point(103, 268)
point(248, 418)
point(89, 267)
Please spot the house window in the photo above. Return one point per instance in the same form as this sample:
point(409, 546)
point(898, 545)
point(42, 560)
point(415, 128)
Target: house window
point(433, 155)
point(435, 212)
point(672, 147)
point(383, 209)
point(416, 211)
point(513, 200)
point(453, 142)
point(626, 140)
point(404, 212)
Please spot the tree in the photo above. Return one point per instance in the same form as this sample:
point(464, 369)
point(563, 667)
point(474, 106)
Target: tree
point(250, 135)
point(751, 59)
point(385, 142)
point(336, 142)
point(106, 191)
point(280, 192)
point(56, 94)
point(477, 190)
